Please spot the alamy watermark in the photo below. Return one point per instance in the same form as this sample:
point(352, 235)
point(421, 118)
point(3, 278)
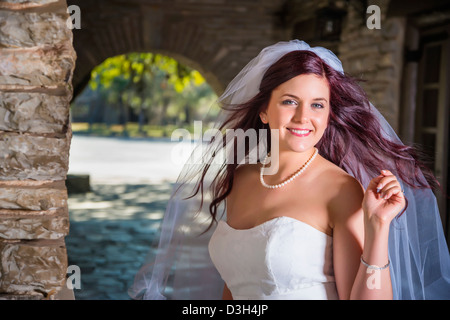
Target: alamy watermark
point(216, 147)
point(74, 280)
point(374, 280)
point(374, 20)
point(74, 20)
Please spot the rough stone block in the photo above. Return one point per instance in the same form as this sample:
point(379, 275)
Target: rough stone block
point(38, 66)
point(33, 210)
point(37, 268)
point(49, 225)
point(48, 28)
point(33, 157)
point(20, 297)
point(33, 112)
point(40, 199)
point(392, 28)
point(27, 2)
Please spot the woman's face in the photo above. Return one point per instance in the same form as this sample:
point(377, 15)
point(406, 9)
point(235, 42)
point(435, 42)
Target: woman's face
point(299, 109)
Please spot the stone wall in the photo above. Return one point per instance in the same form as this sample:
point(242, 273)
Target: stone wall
point(375, 55)
point(36, 66)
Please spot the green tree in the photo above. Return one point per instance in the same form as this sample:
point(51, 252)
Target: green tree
point(149, 84)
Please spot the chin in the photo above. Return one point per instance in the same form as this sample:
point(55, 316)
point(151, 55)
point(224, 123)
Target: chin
point(294, 144)
point(300, 149)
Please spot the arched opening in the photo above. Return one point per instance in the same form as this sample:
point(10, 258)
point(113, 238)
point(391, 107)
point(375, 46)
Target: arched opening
point(122, 124)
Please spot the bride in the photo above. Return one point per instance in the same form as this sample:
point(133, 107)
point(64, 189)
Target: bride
point(348, 213)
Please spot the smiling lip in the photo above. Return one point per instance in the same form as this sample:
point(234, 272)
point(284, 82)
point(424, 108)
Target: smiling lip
point(299, 132)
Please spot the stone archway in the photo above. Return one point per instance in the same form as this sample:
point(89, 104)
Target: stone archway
point(37, 60)
point(217, 38)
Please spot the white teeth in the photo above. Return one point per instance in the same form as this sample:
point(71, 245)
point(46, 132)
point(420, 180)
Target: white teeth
point(299, 131)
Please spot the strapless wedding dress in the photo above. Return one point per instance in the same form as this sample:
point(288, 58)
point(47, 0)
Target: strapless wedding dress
point(281, 259)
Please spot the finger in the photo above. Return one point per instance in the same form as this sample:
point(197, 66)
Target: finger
point(385, 181)
point(390, 190)
point(385, 184)
point(392, 187)
point(374, 182)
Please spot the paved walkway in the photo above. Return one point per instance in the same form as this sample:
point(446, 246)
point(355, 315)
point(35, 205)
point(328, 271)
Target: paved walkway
point(114, 226)
point(112, 230)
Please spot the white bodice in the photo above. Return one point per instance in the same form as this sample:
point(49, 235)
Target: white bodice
point(283, 258)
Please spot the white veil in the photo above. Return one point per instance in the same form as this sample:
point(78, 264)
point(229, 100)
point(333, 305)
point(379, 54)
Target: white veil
point(181, 268)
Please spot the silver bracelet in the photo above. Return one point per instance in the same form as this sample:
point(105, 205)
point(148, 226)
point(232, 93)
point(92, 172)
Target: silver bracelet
point(373, 267)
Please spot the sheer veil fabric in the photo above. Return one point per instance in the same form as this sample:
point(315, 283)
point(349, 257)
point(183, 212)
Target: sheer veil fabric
point(180, 267)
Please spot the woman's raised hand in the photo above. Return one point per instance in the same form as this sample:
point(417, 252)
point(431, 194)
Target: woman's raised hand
point(383, 199)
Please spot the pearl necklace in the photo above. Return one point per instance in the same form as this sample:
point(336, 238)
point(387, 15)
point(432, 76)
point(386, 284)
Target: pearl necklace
point(282, 184)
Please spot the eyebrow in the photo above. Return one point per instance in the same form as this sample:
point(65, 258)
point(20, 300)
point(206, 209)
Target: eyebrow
point(295, 97)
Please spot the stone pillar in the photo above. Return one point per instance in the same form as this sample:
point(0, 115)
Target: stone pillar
point(36, 66)
point(376, 55)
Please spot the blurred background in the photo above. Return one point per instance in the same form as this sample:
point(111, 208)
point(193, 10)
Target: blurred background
point(148, 67)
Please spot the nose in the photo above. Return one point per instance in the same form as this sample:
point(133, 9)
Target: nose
point(301, 114)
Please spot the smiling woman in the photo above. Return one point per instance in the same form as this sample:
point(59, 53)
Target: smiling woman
point(295, 111)
point(324, 234)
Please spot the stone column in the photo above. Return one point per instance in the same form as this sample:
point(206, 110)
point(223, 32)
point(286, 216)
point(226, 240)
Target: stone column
point(36, 66)
point(375, 55)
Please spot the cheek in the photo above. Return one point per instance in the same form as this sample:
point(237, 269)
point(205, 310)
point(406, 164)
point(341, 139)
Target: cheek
point(272, 116)
point(322, 122)
point(284, 115)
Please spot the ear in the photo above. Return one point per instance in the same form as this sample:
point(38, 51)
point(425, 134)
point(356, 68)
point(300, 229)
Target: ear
point(263, 117)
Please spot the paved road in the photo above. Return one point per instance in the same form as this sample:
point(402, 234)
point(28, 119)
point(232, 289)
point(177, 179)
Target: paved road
point(120, 160)
point(114, 226)
point(112, 230)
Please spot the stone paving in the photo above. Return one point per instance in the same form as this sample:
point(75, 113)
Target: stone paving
point(112, 230)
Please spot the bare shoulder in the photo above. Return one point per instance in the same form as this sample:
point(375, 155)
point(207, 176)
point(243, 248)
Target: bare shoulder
point(345, 199)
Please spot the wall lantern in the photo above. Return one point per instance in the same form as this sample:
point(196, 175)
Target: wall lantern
point(326, 25)
point(322, 24)
point(329, 24)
